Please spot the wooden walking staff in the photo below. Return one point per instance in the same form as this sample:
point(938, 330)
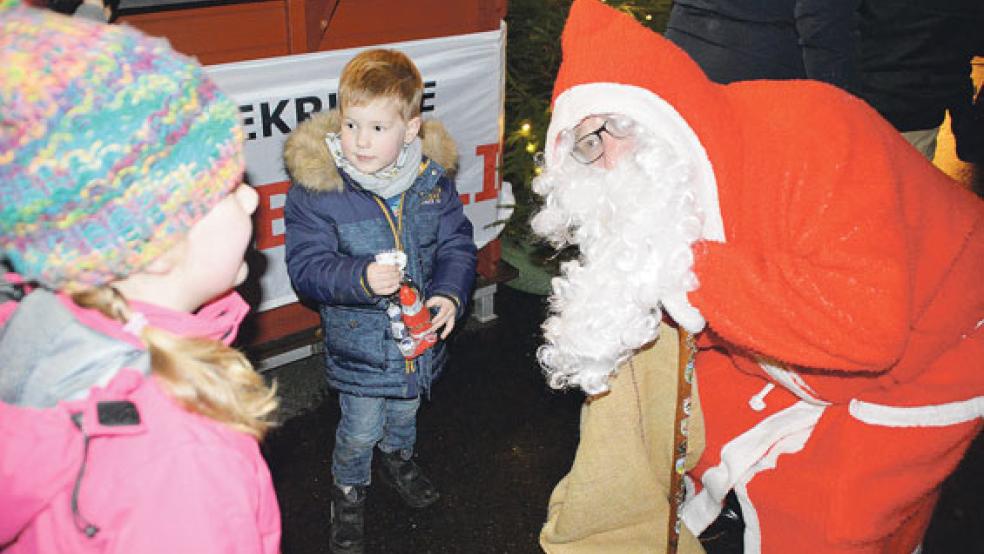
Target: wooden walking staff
point(685, 375)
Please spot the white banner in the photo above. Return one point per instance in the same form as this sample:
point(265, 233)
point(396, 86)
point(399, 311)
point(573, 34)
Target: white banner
point(464, 87)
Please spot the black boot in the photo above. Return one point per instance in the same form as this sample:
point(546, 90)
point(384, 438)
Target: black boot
point(405, 476)
point(347, 519)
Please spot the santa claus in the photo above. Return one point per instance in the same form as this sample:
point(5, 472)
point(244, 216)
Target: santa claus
point(831, 274)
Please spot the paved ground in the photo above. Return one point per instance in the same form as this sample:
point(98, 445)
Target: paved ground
point(496, 439)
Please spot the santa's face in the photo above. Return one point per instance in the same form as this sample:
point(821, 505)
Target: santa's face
point(632, 213)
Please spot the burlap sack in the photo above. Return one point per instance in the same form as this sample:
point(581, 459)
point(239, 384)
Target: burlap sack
point(615, 497)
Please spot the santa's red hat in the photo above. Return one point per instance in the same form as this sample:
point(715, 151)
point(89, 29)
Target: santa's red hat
point(613, 64)
point(603, 45)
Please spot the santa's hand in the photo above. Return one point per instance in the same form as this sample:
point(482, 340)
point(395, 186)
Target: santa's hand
point(383, 279)
point(444, 317)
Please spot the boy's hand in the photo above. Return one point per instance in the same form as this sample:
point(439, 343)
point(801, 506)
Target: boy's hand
point(383, 279)
point(446, 311)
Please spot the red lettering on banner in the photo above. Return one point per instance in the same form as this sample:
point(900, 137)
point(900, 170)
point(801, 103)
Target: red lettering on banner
point(490, 182)
point(266, 215)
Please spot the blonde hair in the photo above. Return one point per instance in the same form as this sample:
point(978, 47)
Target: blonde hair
point(381, 73)
point(203, 375)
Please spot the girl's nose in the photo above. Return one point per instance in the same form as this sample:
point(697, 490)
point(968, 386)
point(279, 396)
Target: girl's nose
point(248, 198)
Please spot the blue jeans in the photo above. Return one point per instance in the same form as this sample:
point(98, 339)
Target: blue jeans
point(367, 421)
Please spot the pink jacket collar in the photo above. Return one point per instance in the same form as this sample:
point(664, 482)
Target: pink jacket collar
point(218, 320)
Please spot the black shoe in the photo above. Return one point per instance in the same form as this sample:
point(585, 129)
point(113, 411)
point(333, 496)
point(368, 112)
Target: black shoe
point(347, 519)
point(405, 476)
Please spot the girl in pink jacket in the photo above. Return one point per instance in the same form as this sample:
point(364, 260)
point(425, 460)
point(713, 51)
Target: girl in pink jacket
point(127, 423)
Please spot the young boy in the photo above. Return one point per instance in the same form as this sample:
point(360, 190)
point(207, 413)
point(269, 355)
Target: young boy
point(368, 179)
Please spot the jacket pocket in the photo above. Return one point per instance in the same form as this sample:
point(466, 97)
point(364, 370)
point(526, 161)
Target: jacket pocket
point(355, 336)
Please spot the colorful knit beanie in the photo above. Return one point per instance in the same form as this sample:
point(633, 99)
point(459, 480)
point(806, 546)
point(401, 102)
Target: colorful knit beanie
point(111, 147)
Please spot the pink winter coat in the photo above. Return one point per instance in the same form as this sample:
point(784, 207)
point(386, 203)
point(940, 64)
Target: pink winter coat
point(175, 482)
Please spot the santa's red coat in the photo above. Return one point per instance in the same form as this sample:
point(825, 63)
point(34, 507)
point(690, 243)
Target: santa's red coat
point(855, 270)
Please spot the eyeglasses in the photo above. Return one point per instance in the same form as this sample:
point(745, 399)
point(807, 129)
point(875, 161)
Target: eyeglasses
point(590, 147)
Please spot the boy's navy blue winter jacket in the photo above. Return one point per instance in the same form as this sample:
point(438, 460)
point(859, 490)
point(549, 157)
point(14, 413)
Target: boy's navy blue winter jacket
point(334, 230)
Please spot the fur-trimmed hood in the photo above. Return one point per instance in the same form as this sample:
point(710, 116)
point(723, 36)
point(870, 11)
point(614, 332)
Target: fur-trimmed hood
point(309, 164)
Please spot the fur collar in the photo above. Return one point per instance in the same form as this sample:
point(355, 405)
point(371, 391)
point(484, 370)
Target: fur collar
point(310, 165)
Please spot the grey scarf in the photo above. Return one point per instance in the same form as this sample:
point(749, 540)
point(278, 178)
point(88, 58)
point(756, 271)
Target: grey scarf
point(387, 182)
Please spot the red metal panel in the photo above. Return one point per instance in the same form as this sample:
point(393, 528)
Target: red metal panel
point(219, 34)
point(367, 22)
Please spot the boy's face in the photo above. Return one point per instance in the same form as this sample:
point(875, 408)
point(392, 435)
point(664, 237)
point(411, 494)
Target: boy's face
point(373, 134)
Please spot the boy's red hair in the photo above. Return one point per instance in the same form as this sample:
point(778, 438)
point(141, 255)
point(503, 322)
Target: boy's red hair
point(381, 73)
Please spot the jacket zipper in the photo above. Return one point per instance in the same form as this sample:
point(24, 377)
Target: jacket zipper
point(81, 523)
point(396, 229)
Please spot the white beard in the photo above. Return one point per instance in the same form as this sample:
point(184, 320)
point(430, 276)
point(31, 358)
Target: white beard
point(634, 226)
